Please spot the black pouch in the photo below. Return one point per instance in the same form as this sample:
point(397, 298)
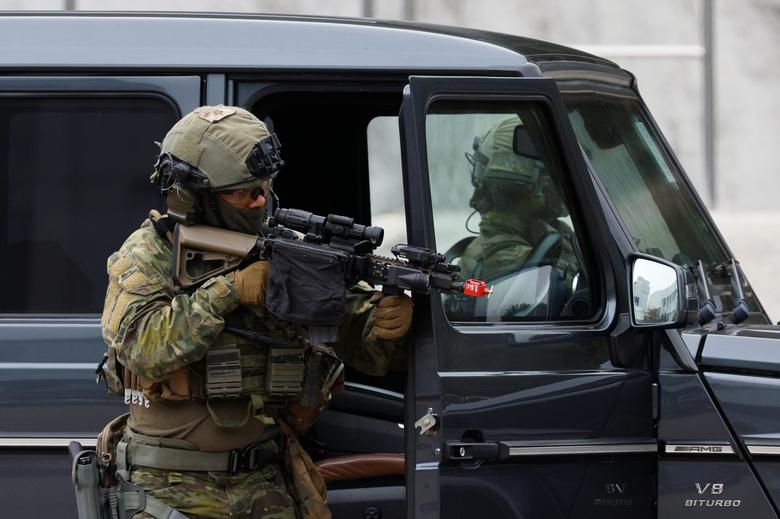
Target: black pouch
point(306, 288)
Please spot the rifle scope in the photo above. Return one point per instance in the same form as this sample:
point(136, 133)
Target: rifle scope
point(325, 228)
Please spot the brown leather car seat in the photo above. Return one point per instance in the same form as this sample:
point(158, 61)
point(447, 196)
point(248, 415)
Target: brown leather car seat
point(360, 466)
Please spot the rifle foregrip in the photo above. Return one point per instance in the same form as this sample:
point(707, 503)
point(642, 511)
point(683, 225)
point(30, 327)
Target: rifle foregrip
point(408, 278)
point(391, 290)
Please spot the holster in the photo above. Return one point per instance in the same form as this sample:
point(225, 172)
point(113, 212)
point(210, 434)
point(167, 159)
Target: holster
point(86, 482)
point(119, 500)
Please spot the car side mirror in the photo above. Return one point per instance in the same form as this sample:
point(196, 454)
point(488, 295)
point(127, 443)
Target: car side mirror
point(663, 294)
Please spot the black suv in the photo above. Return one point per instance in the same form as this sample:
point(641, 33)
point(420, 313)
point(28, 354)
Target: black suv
point(645, 385)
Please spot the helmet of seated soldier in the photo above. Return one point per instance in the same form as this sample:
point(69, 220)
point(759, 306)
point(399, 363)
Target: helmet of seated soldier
point(213, 149)
point(506, 181)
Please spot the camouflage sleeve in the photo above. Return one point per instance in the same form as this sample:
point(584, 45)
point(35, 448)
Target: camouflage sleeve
point(154, 330)
point(357, 347)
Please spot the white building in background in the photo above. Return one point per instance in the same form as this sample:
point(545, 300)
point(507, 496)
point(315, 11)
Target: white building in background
point(641, 294)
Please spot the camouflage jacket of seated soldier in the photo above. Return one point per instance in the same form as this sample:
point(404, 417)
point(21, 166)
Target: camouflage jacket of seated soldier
point(157, 331)
point(505, 242)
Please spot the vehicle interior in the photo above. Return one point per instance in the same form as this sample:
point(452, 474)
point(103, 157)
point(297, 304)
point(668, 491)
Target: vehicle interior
point(358, 442)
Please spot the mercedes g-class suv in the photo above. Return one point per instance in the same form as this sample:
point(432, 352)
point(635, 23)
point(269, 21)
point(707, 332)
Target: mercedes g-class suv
point(623, 368)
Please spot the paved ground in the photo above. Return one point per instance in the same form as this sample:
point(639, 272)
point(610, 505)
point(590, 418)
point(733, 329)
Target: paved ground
point(754, 238)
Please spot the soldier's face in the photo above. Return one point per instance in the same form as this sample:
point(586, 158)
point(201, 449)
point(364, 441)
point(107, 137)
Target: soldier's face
point(246, 198)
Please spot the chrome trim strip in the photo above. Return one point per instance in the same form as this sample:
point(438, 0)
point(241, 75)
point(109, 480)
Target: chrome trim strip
point(46, 442)
point(48, 365)
point(697, 449)
point(371, 389)
point(568, 450)
point(767, 450)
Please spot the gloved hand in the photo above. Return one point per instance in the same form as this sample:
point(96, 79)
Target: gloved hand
point(392, 317)
point(250, 283)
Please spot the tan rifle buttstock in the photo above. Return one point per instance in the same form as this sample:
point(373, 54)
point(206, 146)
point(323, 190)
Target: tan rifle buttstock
point(201, 252)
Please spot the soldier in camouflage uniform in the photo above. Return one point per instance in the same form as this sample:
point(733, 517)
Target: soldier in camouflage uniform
point(162, 337)
point(519, 206)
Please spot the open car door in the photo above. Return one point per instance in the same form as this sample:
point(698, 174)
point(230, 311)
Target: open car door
point(519, 405)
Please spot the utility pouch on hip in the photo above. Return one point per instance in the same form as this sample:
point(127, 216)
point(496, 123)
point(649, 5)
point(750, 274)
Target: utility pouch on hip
point(106, 444)
point(304, 480)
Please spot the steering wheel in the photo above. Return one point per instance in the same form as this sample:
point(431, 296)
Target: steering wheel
point(542, 253)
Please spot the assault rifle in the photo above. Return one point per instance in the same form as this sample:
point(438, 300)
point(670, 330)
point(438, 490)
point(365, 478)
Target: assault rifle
point(311, 271)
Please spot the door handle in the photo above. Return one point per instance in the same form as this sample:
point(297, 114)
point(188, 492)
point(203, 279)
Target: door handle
point(469, 451)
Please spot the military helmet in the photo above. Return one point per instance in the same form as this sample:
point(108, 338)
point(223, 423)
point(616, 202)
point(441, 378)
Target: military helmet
point(494, 160)
point(212, 149)
point(226, 146)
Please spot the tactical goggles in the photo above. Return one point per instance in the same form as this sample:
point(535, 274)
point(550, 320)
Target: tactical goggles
point(240, 194)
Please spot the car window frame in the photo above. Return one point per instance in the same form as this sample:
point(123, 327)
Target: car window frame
point(181, 93)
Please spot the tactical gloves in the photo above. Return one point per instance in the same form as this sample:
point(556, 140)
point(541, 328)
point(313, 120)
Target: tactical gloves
point(250, 283)
point(392, 317)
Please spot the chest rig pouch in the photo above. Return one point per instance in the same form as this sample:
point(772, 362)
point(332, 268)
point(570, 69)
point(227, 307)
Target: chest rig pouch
point(249, 374)
point(273, 368)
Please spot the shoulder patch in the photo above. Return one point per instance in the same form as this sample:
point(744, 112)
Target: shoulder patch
point(216, 113)
point(141, 264)
point(128, 275)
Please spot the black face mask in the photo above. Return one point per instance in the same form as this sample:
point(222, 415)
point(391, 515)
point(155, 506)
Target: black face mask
point(234, 218)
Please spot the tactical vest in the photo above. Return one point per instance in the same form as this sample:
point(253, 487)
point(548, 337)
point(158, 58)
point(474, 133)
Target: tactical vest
point(269, 375)
point(286, 378)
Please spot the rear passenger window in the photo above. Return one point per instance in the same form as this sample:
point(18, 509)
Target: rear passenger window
point(386, 181)
point(74, 175)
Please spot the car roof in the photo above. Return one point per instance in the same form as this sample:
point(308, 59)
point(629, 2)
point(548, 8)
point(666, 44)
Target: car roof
point(214, 42)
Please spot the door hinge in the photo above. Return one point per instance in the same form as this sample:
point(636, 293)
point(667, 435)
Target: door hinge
point(428, 422)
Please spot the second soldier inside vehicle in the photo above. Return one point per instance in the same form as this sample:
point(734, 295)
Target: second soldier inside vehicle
point(523, 228)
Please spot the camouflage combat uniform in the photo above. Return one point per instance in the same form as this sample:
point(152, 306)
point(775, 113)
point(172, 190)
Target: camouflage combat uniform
point(506, 240)
point(159, 331)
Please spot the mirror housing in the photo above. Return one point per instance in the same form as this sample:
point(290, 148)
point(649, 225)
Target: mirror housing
point(663, 294)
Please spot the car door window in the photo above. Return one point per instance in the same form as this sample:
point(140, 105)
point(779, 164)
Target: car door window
point(73, 183)
point(502, 213)
point(386, 181)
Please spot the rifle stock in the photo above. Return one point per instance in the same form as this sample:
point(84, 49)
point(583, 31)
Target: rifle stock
point(201, 252)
